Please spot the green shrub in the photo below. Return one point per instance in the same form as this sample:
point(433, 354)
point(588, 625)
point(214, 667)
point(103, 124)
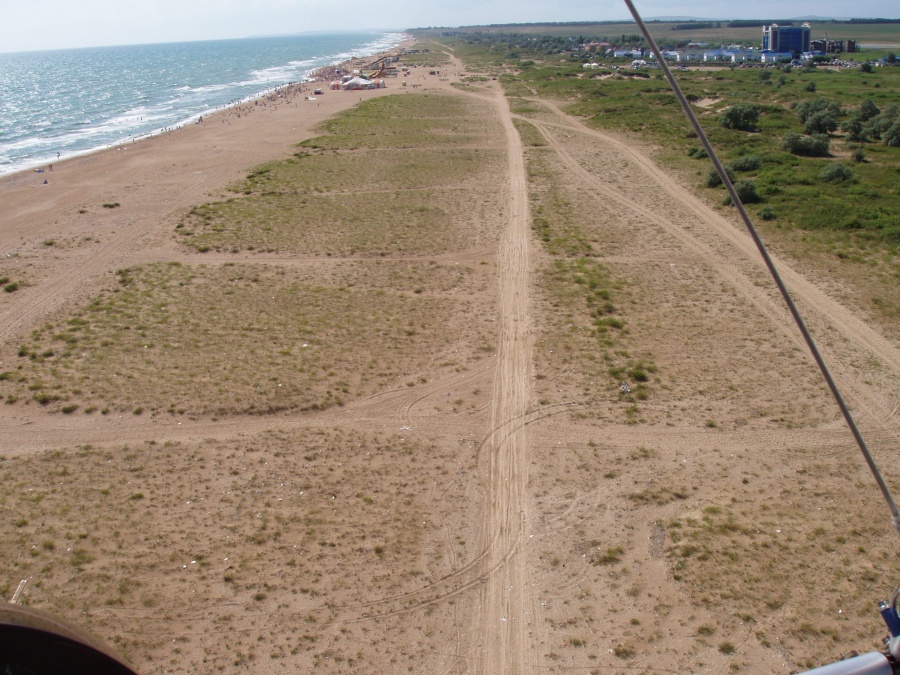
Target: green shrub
point(867, 110)
point(891, 137)
point(698, 152)
point(807, 146)
point(713, 179)
point(766, 213)
point(748, 163)
point(742, 116)
point(880, 124)
point(806, 109)
point(836, 173)
point(859, 155)
point(855, 130)
point(746, 190)
point(822, 122)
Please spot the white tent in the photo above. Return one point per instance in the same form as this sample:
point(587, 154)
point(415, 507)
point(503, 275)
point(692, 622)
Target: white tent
point(358, 83)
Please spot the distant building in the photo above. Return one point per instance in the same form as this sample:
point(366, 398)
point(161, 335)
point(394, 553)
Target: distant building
point(690, 55)
point(716, 55)
point(628, 53)
point(834, 46)
point(743, 55)
point(794, 39)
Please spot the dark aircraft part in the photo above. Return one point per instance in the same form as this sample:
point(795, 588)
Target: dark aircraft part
point(37, 643)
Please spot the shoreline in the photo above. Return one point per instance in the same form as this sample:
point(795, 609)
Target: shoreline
point(116, 207)
point(321, 74)
point(32, 166)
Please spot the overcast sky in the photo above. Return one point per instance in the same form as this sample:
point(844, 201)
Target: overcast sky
point(58, 24)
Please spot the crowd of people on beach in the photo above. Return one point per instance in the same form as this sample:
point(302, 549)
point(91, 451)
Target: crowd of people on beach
point(283, 95)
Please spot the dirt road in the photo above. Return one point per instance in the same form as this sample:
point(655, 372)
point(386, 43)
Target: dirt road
point(505, 611)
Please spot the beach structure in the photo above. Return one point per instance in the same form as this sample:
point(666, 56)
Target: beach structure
point(359, 83)
point(383, 67)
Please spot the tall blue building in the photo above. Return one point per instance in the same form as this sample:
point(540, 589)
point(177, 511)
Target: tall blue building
point(786, 38)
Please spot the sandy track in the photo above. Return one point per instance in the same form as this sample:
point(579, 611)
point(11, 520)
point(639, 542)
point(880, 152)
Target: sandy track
point(502, 617)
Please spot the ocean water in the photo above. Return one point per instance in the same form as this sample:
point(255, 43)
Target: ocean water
point(77, 101)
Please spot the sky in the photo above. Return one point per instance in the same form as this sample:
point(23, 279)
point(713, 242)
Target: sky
point(62, 24)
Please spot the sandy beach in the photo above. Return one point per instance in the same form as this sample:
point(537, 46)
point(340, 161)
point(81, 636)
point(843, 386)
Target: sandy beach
point(465, 386)
point(153, 181)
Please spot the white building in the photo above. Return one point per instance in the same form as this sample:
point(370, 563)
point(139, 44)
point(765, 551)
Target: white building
point(716, 55)
point(743, 55)
point(775, 57)
point(689, 55)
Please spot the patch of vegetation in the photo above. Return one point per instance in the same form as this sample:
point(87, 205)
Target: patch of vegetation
point(384, 180)
point(609, 557)
point(730, 555)
point(587, 323)
point(237, 339)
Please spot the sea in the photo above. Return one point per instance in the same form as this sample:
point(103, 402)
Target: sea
point(59, 104)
